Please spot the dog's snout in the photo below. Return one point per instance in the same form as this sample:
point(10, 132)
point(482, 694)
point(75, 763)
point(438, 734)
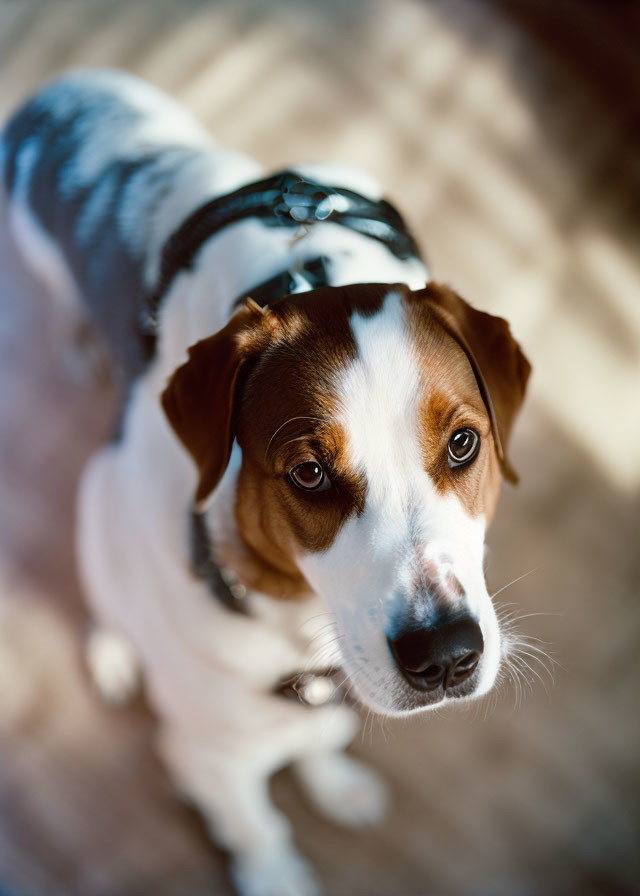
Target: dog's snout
point(440, 656)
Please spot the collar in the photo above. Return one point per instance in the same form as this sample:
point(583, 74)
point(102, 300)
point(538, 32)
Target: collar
point(222, 584)
point(305, 276)
point(312, 688)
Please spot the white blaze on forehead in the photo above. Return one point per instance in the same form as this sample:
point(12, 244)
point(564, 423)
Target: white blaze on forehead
point(405, 519)
point(371, 577)
point(379, 396)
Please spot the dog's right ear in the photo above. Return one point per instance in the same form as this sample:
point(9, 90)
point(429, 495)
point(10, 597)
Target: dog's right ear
point(200, 397)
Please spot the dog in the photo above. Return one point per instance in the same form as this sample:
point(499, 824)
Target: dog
point(311, 446)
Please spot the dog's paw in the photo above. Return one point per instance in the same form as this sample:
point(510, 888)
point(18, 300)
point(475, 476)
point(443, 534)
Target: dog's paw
point(344, 789)
point(113, 666)
point(284, 874)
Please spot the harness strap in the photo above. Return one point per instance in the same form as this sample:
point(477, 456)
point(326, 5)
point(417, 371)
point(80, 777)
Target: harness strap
point(282, 200)
point(309, 275)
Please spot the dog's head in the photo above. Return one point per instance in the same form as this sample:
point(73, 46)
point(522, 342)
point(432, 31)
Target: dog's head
point(373, 422)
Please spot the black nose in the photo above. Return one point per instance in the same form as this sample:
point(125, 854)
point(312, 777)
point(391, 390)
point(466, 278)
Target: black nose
point(440, 656)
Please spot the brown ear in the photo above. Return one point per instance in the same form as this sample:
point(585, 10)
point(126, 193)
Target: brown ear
point(199, 399)
point(500, 367)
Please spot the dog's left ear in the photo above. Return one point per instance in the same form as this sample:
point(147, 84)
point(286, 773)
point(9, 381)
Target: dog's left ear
point(499, 365)
point(201, 395)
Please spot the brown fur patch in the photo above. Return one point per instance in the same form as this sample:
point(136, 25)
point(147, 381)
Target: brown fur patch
point(282, 407)
point(451, 401)
point(288, 416)
point(497, 361)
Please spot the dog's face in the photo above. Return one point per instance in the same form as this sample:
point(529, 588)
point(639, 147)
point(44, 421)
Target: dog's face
point(373, 422)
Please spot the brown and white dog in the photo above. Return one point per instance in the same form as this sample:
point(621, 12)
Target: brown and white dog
point(342, 447)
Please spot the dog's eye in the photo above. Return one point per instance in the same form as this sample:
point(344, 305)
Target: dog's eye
point(463, 447)
point(310, 476)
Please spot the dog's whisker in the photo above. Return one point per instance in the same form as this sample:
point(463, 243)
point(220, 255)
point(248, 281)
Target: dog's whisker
point(318, 660)
point(546, 654)
point(526, 671)
point(321, 631)
point(516, 642)
point(526, 658)
point(325, 647)
point(540, 613)
point(312, 619)
point(346, 694)
point(533, 671)
point(511, 676)
point(544, 661)
point(327, 632)
point(515, 674)
point(518, 579)
point(325, 650)
point(383, 729)
point(528, 638)
point(372, 718)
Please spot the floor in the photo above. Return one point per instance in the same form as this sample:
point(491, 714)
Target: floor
point(508, 135)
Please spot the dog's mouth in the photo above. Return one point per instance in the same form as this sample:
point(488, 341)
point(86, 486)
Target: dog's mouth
point(417, 698)
point(395, 696)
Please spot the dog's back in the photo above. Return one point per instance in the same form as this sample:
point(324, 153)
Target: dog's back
point(98, 167)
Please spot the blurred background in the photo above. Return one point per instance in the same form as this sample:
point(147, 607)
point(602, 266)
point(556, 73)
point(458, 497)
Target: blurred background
point(508, 134)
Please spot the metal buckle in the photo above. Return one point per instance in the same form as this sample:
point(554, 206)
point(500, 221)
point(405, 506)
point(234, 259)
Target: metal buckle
point(311, 688)
point(303, 202)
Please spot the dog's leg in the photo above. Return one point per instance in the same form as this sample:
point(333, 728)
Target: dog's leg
point(341, 787)
point(230, 788)
point(113, 665)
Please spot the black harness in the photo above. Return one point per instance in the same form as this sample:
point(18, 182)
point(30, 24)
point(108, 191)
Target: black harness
point(282, 200)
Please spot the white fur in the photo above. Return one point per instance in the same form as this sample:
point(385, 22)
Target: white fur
point(209, 673)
